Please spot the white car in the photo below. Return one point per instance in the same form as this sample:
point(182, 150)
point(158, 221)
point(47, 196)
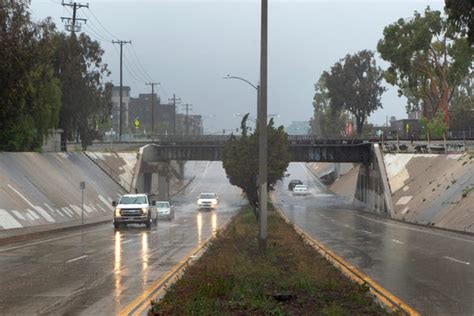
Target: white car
point(300, 189)
point(165, 210)
point(207, 200)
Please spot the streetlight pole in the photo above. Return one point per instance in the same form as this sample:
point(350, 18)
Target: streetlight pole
point(262, 123)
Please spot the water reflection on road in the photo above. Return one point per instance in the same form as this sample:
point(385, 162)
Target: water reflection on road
point(429, 269)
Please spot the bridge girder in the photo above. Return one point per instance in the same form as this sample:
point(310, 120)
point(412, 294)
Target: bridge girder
point(355, 153)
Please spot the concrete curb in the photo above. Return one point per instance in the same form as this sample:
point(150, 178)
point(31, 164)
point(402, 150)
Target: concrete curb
point(48, 230)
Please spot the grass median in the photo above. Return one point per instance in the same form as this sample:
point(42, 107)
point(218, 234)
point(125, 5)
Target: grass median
point(291, 278)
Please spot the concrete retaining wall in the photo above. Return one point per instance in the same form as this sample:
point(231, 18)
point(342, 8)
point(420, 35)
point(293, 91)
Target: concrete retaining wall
point(43, 189)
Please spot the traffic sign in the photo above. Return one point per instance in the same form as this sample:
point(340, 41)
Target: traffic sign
point(136, 123)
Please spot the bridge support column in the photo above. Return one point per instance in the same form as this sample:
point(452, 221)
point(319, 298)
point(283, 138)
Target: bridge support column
point(163, 181)
point(147, 182)
point(181, 169)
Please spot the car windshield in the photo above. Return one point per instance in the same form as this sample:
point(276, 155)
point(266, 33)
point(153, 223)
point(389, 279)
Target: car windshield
point(133, 200)
point(162, 205)
point(207, 196)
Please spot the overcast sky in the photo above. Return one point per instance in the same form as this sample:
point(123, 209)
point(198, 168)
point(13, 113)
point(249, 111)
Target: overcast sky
point(189, 46)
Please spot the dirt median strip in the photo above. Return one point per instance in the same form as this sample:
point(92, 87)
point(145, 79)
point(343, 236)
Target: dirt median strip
point(291, 277)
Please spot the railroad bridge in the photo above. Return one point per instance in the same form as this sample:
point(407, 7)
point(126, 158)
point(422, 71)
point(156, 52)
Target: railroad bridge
point(303, 149)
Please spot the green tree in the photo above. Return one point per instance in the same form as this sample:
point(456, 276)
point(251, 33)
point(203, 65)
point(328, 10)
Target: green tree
point(29, 92)
point(240, 159)
point(326, 121)
point(461, 14)
point(462, 106)
point(85, 98)
point(436, 127)
point(428, 59)
point(355, 85)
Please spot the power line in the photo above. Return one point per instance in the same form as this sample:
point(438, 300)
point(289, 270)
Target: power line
point(139, 63)
point(103, 27)
point(137, 69)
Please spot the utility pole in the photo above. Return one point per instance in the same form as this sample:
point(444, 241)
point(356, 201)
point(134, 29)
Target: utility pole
point(71, 26)
point(152, 84)
point(121, 43)
point(187, 106)
point(262, 122)
point(174, 100)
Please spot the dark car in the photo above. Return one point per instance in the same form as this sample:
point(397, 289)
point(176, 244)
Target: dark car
point(292, 184)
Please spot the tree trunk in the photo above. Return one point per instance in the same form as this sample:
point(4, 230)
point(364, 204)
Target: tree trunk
point(63, 144)
point(359, 125)
point(444, 101)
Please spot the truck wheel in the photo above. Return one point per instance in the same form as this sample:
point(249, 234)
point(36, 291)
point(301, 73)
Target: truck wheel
point(148, 223)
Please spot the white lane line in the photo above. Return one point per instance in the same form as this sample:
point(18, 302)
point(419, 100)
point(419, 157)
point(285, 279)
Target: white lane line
point(345, 225)
point(126, 242)
point(22, 196)
point(201, 177)
point(78, 258)
point(397, 241)
point(366, 231)
point(456, 260)
point(424, 230)
point(51, 239)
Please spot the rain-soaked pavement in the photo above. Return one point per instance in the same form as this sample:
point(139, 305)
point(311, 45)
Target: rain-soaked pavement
point(431, 270)
point(99, 270)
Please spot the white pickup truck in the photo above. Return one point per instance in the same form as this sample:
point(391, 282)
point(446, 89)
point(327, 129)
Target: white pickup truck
point(134, 209)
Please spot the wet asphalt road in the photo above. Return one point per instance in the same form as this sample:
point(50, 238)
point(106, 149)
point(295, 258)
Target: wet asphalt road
point(431, 270)
point(99, 270)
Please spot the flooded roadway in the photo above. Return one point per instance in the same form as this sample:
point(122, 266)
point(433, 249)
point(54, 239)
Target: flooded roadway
point(431, 270)
point(100, 270)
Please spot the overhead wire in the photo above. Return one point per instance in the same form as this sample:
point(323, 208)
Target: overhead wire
point(139, 63)
point(137, 69)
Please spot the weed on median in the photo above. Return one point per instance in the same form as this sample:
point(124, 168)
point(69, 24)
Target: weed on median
point(291, 278)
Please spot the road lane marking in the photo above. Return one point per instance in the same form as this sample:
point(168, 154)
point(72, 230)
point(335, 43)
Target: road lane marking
point(126, 242)
point(397, 241)
point(345, 225)
point(78, 258)
point(456, 260)
point(366, 231)
point(425, 230)
point(388, 299)
point(51, 239)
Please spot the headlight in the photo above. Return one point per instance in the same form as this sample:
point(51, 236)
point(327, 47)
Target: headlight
point(199, 202)
point(144, 210)
point(117, 212)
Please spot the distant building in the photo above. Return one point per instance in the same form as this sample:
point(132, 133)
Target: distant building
point(116, 108)
point(406, 128)
point(141, 109)
point(298, 128)
point(194, 122)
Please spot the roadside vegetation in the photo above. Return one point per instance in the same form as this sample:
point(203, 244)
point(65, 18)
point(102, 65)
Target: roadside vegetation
point(290, 279)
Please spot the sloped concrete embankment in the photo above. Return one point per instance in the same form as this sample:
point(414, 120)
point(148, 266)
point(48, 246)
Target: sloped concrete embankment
point(435, 190)
point(44, 189)
point(429, 189)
